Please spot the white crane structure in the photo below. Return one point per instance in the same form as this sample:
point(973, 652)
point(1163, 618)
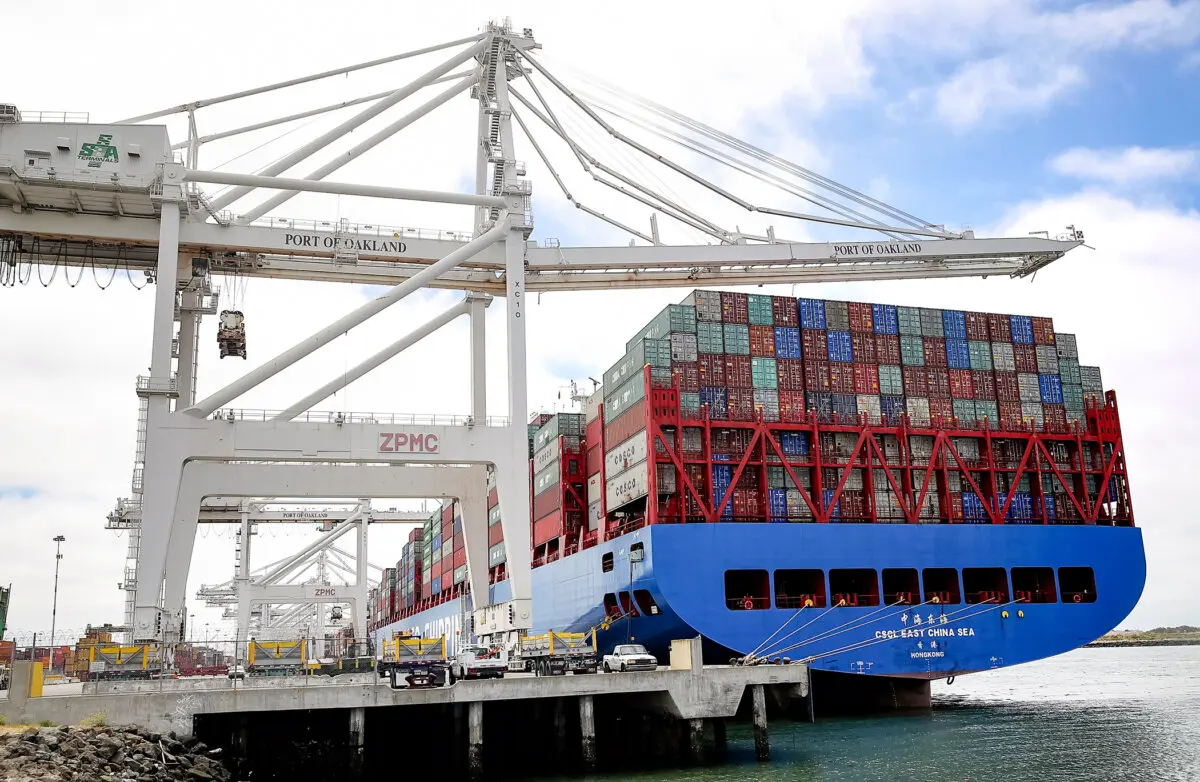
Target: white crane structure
point(121, 196)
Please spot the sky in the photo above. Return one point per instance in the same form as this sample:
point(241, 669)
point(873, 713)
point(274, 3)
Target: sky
point(1003, 117)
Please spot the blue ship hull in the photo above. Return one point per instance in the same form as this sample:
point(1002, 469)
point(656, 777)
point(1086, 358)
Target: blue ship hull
point(684, 570)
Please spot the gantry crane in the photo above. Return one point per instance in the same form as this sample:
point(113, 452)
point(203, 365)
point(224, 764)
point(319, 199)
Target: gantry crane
point(121, 196)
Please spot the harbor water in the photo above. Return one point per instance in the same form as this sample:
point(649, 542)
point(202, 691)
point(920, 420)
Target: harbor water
point(1115, 715)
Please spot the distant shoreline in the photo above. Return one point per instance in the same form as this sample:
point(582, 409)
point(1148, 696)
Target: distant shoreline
point(1112, 642)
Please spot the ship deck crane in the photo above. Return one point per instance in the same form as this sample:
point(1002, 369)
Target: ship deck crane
point(111, 204)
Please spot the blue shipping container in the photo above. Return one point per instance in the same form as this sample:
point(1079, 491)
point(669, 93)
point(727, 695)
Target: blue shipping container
point(1022, 329)
point(777, 501)
point(717, 400)
point(973, 508)
point(722, 477)
point(1048, 502)
point(793, 444)
point(884, 316)
point(954, 324)
point(435, 586)
point(812, 313)
point(787, 342)
point(845, 407)
point(1051, 386)
point(1020, 510)
point(827, 496)
point(840, 347)
point(958, 354)
point(892, 407)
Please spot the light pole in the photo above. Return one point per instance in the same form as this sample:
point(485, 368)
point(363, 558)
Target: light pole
point(58, 541)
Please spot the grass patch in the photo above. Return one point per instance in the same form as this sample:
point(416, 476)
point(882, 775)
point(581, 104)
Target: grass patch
point(99, 720)
point(46, 724)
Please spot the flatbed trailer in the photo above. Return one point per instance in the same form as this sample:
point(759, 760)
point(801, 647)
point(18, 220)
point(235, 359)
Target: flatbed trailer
point(418, 662)
point(117, 662)
point(554, 654)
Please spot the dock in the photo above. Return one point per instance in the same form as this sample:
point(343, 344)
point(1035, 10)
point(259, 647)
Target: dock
point(577, 722)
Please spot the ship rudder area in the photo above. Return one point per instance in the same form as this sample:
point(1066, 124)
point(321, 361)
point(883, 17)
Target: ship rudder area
point(836, 694)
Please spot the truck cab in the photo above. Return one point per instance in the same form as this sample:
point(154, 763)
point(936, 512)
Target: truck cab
point(479, 662)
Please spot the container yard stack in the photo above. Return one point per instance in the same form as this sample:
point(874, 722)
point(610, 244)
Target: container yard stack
point(593, 422)
point(411, 566)
point(497, 555)
point(559, 487)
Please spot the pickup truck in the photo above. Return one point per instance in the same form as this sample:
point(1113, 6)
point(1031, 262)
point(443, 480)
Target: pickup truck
point(479, 662)
point(629, 657)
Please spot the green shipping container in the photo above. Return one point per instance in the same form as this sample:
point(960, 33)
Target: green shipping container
point(763, 373)
point(761, 313)
point(623, 398)
point(676, 318)
point(909, 320)
point(460, 574)
point(569, 424)
point(964, 410)
point(1072, 395)
point(1068, 371)
point(493, 516)
point(891, 379)
point(655, 352)
point(988, 410)
point(496, 555)
point(737, 339)
point(710, 338)
point(912, 351)
point(980, 354)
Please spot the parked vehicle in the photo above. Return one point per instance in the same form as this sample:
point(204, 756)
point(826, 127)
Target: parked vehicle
point(554, 654)
point(418, 662)
point(479, 662)
point(629, 657)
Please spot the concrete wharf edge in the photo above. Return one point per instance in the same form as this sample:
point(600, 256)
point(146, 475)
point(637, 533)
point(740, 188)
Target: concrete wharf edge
point(713, 692)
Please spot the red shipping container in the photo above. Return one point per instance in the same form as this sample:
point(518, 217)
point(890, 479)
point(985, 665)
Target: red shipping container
point(595, 459)
point(790, 373)
point(985, 384)
point(816, 376)
point(1007, 387)
point(1055, 417)
point(749, 477)
point(625, 425)
point(762, 341)
point(938, 382)
point(735, 308)
point(741, 405)
point(956, 506)
point(783, 311)
point(737, 371)
point(548, 501)
point(941, 409)
point(841, 378)
point(1043, 331)
point(977, 327)
point(935, 352)
point(687, 376)
point(863, 346)
point(495, 534)
point(860, 318)
point(547, 528)
point(815, 345)
point(853, 504)
point(711, 368)
point(460, 557)
point(916, 382)
point(887, 348)
point(746, 503)
point(999, 328)
point(594, 432)
point(448, 514)
point(961, 386)
point(791, 407)
point(1025, 357)
point(1010, 416)
point(493, 500)
point(866, 379)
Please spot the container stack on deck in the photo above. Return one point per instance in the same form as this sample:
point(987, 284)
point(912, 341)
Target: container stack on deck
point(751, 408)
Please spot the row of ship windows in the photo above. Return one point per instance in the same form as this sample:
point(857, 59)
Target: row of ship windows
point(749, 590)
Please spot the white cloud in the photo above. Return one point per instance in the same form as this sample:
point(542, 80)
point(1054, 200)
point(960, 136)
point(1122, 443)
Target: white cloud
point(1001, 86)
point(1123, 166)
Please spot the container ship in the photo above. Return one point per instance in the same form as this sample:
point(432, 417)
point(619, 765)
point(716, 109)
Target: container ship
point(894, 491)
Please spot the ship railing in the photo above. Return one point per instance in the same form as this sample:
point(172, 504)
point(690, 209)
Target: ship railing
point(748, 603)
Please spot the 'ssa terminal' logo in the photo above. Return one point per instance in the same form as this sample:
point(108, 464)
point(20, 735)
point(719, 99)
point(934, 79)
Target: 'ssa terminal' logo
point(100, 152)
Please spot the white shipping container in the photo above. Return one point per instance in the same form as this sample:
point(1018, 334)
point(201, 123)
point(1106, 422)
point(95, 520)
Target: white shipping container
point(707, 304)
point(548, 455)
point(1032, 411)
point(591, 405)
point(683, 347)
point(1067, 346)
point(1002, 357)
point(665, 479)
point(1030, 387)
point(868, 405)
point(626, 454)
point(1047, 359)
point(594, 516)
point(796, 505)
point(767, 401)
point(920, 446)
point(595, 489)
point(627, 487)
point(967, 447)
point(918, 410)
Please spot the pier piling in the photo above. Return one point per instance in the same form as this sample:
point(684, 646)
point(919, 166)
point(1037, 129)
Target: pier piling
point(358, 718)
point(587, 730)
point(696, 741)
point(475, 740)
point(762, 747)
